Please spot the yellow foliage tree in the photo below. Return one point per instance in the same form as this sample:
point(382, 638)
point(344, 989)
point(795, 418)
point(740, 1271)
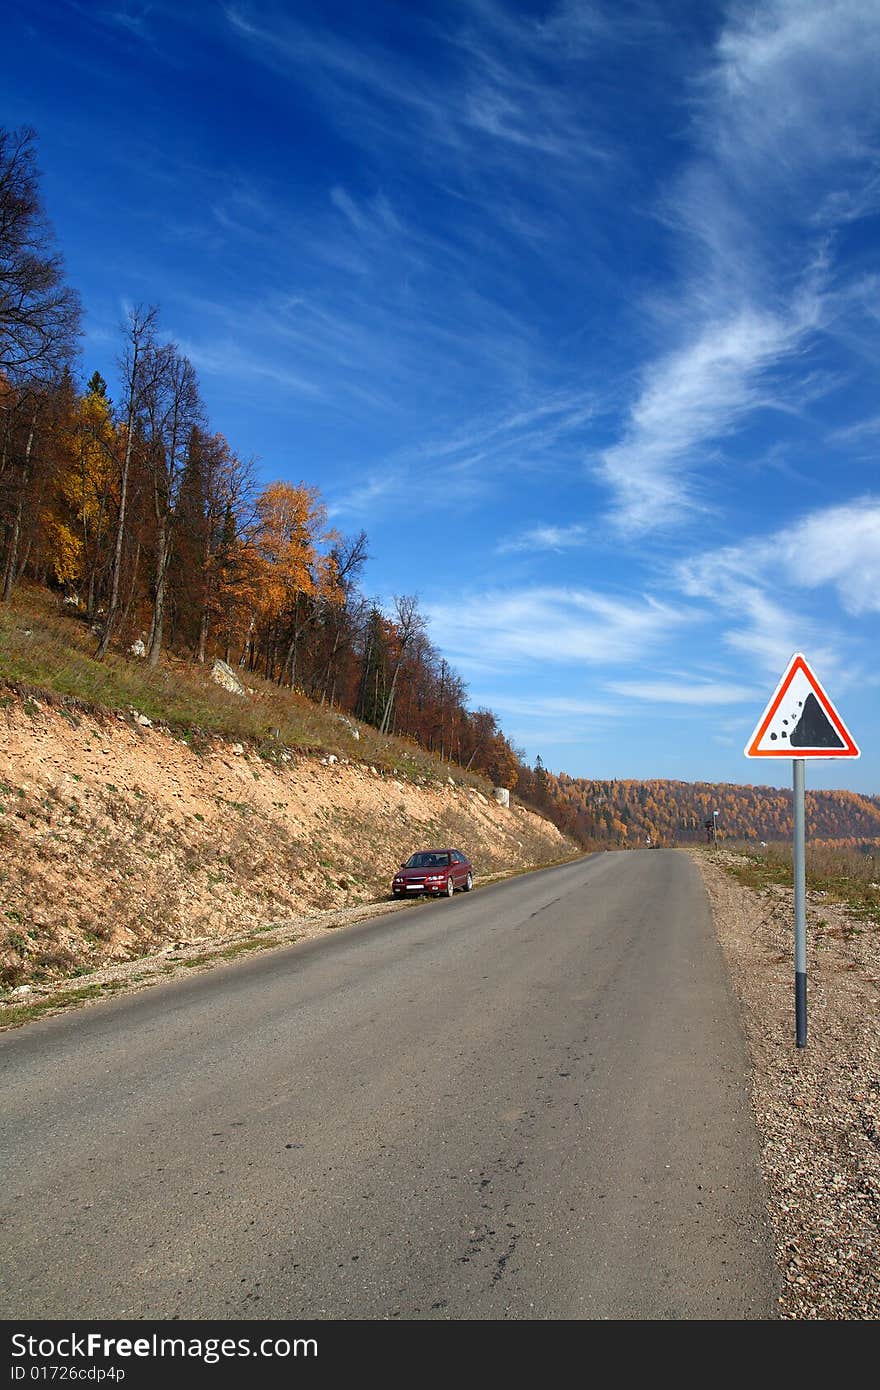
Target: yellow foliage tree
point(289, 539)
point(76, 515)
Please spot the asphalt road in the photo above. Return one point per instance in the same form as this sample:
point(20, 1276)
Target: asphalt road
point(529, 1102)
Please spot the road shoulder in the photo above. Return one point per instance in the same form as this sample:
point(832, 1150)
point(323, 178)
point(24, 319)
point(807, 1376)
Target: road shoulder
point(818, 1108)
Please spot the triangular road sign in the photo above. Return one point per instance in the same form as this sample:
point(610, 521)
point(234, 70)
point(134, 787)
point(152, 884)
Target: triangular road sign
point(800, 721)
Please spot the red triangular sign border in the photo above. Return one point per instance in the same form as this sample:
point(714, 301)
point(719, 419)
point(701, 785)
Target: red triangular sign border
point(799, 663)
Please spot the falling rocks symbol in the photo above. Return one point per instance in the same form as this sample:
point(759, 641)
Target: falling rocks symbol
point(814, 729)
point(800, 721)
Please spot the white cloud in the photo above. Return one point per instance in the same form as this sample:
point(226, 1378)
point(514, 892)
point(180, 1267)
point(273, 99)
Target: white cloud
point(474, 454)
point(759, 589)
point(227, 360)
point(684, 692)
point(546, 538)
point(765, 631)
point(753, 624)
point(690, 398)
point(862, 429)
point(544, 706)
point(362, 498)
point(795, 84)
point(837, 546)
point(529, 627)
point(528, 429)
point(373, 219)
point(489, 91)
point(783, 123)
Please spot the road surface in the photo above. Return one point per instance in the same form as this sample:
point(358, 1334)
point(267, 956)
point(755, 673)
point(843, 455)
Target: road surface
point(529, 1102)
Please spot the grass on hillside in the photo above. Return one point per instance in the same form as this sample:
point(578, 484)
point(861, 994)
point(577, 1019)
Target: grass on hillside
point(45, 650)
point(843, 874)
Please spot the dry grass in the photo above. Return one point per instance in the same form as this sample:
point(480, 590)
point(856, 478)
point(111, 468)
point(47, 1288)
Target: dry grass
point(839, 872)
point(47, 651)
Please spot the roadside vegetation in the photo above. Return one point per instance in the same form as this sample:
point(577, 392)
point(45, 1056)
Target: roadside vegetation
point(848, 875)
point(46, 652)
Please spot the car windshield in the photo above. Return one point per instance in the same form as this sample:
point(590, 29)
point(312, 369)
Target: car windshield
point(427, 859)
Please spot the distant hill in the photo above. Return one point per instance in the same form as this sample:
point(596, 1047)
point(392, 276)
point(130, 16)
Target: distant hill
point(622, 813)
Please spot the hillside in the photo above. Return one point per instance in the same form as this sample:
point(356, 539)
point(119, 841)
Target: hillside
point(626, 813)
point(118, 838)
point(145, 807)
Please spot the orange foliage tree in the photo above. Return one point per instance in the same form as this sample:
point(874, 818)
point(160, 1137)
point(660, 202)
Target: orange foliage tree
point(296, 568)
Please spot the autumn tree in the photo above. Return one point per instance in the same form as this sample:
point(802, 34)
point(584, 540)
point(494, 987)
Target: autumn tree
point(50, 542)
point(449, 704)
point(501, 763)
point(541, 783)
point(237, 594)
point(294, 546)
point(211, 556)
point(479, 734)
point(78, 527)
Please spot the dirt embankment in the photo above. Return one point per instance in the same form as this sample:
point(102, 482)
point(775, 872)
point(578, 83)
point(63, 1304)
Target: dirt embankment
point(117, 839)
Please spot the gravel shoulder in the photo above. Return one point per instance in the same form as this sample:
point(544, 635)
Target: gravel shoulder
point(817, 1108)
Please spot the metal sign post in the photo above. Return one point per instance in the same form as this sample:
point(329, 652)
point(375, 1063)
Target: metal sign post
point(800, 905)
point(800, 722)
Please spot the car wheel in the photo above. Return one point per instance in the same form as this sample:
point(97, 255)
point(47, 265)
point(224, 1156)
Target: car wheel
point(395, 894)
point(450, 887)
point(469, 883)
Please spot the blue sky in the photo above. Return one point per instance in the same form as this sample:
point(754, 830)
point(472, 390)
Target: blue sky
point(574, 307)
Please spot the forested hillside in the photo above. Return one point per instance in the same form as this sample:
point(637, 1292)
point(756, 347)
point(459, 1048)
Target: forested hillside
point(629, 813)
point(155, 536)
point(154, 531)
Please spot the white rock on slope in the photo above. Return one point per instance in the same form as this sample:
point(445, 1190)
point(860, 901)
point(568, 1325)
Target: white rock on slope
point(223, 674)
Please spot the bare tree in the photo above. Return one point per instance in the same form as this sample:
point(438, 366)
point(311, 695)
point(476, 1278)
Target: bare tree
point(214, 503)
point(349, 557)
point(14, 522)
point(173, 413)
point(229, 488)
point(39, 321)
point(39, 313)
point(408, 622)
point(139, 368)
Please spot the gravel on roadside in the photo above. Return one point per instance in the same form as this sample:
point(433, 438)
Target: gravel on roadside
point(817, 1108)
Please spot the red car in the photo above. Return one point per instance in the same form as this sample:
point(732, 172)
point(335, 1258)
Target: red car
point(433, 871)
